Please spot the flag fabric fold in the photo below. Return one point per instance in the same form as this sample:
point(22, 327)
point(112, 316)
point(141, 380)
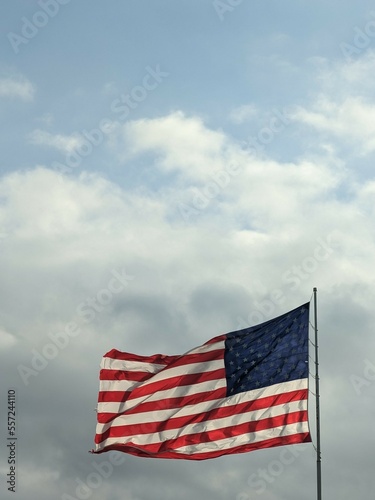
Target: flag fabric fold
point(238, 392)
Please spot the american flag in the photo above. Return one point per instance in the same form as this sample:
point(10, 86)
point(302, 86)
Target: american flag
point(238, 392)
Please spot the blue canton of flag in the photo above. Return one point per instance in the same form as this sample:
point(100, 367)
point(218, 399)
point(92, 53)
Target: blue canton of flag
point(269, 353)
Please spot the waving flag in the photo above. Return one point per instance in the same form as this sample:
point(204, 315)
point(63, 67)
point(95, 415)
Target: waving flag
point(238, 392)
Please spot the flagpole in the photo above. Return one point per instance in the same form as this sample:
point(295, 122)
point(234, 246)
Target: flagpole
point(318, 452)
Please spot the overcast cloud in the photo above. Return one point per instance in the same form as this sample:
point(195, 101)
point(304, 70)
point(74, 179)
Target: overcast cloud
point(170, 171)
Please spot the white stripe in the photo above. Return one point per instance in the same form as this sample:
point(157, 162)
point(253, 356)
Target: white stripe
point(159, 415)
point(253, 437)
point(155, 415)
point(132, 366)
point(175, 392)
point(273, 390)
point(143, 366)
point(207, 348)
point(220, 444)
point(126, 385)
point(209, 425)
point(118, 385)
point(206, 366)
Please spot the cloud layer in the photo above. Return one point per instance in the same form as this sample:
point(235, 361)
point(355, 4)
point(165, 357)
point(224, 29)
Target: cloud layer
point(14, 87)
point(254, 247)
point(170, 228)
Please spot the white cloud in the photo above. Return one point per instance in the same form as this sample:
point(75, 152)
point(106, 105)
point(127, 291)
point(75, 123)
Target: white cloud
point(6, 339)
point(186, 146)
point(344, 107)
point(274, 230)
point(46, 119)
point(352, 120)
point(342, 78)
point(249, 213)
point(275, 212)
point(182, 143)
point(17, 87)
point(63, 143)
point(242, 114)
point(110, 89)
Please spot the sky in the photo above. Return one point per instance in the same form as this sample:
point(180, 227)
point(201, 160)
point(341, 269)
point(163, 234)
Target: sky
point(172, 170)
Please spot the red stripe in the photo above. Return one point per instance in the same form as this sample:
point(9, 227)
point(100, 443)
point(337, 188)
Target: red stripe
point(165, 404)
point(166, 449)
point(158, 359)
point(170, 361)
point(161, 385)
point(198, 357)
point(267, 443)
point(219, 338)
point(149, 427)
point(138, 376)
point(220, 412)
point(174, 382)
point(124, 375)
point(217, 434)
point(170, 403)
point(113, 396)
point(303, 437)
point(222, 433)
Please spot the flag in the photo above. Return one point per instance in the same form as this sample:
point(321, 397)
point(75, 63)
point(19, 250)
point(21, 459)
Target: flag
point(241, 391)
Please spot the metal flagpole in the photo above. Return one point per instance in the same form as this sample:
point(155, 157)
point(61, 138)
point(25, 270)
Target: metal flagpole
point(318, 452)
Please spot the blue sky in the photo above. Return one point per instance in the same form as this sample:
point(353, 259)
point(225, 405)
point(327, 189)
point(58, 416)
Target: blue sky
point(219, 154)
point(256, 53)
